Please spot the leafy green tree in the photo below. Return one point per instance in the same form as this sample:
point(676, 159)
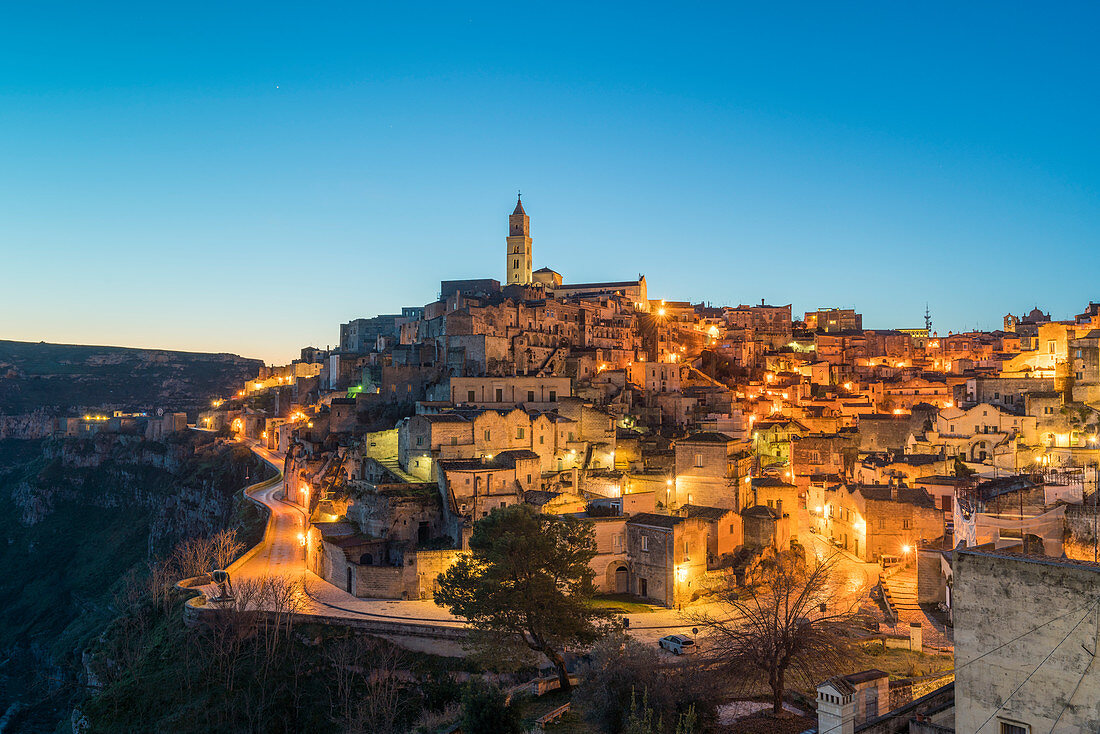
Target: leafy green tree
point(528, 577)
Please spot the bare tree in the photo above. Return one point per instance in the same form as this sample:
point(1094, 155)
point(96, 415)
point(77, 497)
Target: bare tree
point(224, 549)
point(369, 683)
point(787, 624)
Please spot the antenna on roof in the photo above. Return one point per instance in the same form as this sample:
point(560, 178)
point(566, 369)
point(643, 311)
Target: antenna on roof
point(927, 318)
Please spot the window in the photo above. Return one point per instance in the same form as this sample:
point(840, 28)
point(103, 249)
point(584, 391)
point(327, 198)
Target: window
point(882, 523)
point(731, 528)
point(470, 396)
point(454, 440)
point(486, 435)
point(542, 440)
point(419, 440)
point(1008, 727)
point(528, 478)
point(645, 543)
point(553, 396)
point(698, 460)
point(500, 395)
point(519, 432)
point(530, 396)
point(904, 524)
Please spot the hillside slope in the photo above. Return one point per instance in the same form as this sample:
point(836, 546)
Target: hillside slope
point(68, 378)
point(79, 517)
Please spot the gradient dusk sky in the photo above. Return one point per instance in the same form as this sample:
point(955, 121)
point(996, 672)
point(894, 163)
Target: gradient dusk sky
point(245, 177)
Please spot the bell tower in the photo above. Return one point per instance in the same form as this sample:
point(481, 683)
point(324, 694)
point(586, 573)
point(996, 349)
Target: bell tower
point(518, 266)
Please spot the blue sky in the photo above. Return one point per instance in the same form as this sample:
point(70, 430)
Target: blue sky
point(236, 177)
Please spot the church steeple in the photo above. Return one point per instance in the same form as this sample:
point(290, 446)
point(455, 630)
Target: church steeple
point(518, 266)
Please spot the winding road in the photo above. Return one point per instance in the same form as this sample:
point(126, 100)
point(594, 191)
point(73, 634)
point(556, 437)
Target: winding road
point(281, 553)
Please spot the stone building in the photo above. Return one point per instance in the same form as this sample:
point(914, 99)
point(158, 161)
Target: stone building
point(874, 520)
point(771, 439)
point(560, 441)
point(471, 488)
point(669, 553)
point(1025, 644)
point(847, 701)
point(831, 320)
point(518, 266)
point(533, 392)
point(710, 468)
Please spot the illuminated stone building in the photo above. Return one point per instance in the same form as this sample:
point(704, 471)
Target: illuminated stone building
point(519, 247)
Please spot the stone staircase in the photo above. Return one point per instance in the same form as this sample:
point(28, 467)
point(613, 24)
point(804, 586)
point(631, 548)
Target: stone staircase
point(391, 463)
point(903, 590)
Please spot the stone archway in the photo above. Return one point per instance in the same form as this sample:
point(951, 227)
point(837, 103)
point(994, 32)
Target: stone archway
point(617, 578)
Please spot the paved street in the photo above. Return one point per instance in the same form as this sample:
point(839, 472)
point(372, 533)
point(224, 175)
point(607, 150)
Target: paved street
point(283, 554)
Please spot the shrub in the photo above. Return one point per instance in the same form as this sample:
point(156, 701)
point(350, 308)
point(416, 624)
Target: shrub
point(484, 711)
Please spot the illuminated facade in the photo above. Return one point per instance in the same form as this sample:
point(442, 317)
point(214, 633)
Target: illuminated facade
point(518, 266)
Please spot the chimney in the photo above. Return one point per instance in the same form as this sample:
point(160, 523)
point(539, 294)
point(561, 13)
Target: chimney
point(836, 707)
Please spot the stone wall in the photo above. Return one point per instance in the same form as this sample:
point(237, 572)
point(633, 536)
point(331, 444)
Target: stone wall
point(380, 582)
point(1024, 629)
point(427, 565)
point(898, 721)
point(931, 585)
point(1081, 536)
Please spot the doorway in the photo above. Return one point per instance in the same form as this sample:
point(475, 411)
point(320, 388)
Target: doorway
point(351, 581)
point(622, 580)
point(643, 588)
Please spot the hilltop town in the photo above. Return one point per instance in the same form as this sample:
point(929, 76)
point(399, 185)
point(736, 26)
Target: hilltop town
point(699, 441)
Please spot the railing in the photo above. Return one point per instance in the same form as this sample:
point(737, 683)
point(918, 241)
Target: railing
point(888, 602)
point(553, 716)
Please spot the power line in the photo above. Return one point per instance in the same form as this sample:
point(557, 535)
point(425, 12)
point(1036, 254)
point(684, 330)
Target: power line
point(1033, 672)
point(1025, 634)
point(1079, 680)
point(1009, 642)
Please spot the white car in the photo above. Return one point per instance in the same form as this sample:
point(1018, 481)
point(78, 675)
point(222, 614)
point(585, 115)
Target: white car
point(677, 644)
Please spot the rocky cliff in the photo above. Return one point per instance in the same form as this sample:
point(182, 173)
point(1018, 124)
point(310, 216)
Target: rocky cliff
point(81, 515)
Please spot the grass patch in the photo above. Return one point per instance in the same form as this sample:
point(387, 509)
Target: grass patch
point(899, 663)
point(623, 602)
